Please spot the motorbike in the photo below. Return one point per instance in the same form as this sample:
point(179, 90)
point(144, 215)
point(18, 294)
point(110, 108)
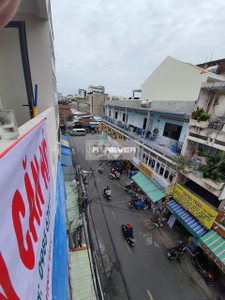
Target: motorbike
point(173, 253)
point(100, 170)
point(128, 186)
point(139, 204)
point(204, 268)
point(108, 197)
point(85, 180)
point(130, 240)
point(112, 176)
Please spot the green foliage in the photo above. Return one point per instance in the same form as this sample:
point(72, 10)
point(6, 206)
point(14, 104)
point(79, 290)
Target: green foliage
point(200, 153)
point(200, 115)
point(180, 162)
point(62, 102)
point(213, 167)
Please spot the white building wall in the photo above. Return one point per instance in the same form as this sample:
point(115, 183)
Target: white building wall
point(39, 52)
point(174, 80)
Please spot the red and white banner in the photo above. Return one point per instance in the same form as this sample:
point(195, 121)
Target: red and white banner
point(26, 218)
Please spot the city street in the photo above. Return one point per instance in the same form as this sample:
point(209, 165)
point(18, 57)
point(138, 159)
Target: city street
point(145, 267)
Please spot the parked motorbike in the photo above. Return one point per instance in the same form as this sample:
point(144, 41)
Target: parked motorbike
point(173, 253)
point(108, 197)
point(204, 268)
point(85, 180)
point(139, 204)
point(130, 240)
point(112, 176)
point(128, 186)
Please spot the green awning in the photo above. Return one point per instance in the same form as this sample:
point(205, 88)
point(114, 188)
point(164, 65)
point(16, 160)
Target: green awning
point(149, 188)
point(102, 140)
point(214, 245)
point(107, 144)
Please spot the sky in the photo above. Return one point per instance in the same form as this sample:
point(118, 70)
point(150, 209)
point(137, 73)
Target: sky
point(119, 43)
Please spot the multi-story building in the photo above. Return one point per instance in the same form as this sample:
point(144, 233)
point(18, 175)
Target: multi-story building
point(161, 128)
point(96, 89)
point(32, 185)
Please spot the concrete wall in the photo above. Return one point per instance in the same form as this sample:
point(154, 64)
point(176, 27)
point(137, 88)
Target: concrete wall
point(173, 80)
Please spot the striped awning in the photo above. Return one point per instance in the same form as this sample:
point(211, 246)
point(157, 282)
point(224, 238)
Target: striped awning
point(102, 140)
point(149, 188)
point(214, 245)
point(186, 219)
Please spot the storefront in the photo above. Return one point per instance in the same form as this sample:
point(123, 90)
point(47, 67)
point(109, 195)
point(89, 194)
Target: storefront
point(195, 215)
point(214, 245)
point(148, 187)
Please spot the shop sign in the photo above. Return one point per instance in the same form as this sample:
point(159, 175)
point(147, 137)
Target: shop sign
point(169, 190)
point(195, 206)
point(27, 210)
point(212, 256)
point(145, 170)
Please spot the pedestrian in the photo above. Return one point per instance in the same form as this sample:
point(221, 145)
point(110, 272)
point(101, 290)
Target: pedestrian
point(118, 175)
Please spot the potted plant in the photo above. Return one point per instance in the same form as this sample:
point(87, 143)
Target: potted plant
point(212, 170)
point(182, 163)
point(200, 118)
point(200, 152)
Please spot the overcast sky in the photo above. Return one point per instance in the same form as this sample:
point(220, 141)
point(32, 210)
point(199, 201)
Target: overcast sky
point(119, 43)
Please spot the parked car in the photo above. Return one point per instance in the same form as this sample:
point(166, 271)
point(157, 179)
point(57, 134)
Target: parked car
point(204, 267)
point(78, 131)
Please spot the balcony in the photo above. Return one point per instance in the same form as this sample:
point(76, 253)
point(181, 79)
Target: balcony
point(208, 132)
point(160, 143)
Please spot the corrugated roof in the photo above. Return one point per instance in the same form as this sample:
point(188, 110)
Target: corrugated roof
point(81, 276)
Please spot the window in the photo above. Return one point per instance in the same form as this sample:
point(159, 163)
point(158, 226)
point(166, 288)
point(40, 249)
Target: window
point(172, 131)
point(124, 116)
point(116, 114)
point(144, 123)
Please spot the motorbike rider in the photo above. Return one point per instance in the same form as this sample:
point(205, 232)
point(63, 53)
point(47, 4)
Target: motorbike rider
point(128, 230)
point(107, 191)
point(100, 166)
point(113, 172)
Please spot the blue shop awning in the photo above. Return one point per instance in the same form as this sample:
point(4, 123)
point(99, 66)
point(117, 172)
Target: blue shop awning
point(66, 150)
point(66, 160)
point(186, 219)
point(149, 188)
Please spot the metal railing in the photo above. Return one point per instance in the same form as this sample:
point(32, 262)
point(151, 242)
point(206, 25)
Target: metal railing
point(139, 134)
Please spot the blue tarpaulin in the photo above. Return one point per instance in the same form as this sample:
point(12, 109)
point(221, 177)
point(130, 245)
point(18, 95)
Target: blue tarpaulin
point(66, 160)
point(64, 137)
point(60, 249)
point(66, 150)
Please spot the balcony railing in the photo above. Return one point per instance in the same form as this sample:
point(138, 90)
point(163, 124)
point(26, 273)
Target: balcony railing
point(153, 140)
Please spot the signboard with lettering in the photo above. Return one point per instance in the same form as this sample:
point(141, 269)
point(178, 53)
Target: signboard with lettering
point(145, 170)
point(169, 190)
point(205, 214)
point(26, 218)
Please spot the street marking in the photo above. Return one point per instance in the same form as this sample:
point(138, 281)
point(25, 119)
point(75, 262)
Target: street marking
point(98, 180)
point(73, 151)
point(128, 248)
point(150, 296)
point(113, 214)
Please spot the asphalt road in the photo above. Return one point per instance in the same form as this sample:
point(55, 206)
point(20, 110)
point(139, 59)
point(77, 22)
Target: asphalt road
point(145, 268)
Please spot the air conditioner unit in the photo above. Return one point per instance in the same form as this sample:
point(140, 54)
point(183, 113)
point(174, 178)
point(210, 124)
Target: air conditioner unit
point(146, 103)
point(8, 125)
